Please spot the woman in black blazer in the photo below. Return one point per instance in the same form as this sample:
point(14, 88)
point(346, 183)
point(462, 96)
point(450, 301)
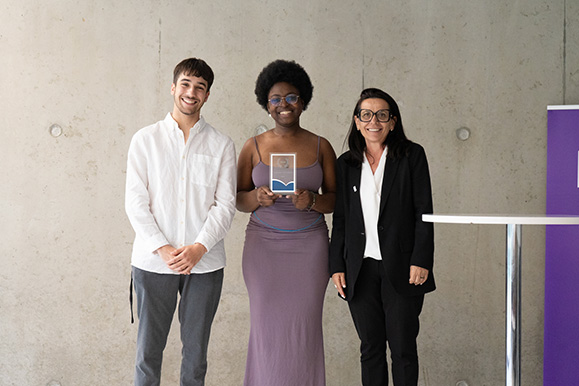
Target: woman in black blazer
point(381, 252)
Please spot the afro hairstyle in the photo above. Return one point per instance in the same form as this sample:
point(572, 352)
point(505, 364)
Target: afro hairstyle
point(283, 71)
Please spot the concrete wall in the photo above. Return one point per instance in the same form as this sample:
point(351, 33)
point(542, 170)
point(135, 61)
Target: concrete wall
point(102, 70)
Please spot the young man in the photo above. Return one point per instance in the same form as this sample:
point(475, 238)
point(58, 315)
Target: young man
point(180, 200)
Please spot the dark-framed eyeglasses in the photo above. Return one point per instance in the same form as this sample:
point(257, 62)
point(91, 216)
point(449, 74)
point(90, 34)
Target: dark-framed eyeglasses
point(366, 115)
point(291, 99)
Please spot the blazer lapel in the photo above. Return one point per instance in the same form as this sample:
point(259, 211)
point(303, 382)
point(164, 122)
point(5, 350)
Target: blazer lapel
point(389, 176)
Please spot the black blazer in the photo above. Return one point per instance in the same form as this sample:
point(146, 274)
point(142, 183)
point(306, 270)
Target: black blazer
point(404, 238)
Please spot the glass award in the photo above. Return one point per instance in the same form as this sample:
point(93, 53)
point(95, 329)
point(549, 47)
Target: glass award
point(282, 173)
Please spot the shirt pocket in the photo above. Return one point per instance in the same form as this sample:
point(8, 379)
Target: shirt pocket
point(203, 170)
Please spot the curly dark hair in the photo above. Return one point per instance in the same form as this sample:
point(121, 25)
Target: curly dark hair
point(283, 71)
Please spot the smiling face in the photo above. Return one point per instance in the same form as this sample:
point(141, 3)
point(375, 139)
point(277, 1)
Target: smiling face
point(375, 132)
point(285, 114)
point(189, 94)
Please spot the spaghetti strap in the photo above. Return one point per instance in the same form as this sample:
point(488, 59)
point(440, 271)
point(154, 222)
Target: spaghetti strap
point(257, 148)
point(317, 155)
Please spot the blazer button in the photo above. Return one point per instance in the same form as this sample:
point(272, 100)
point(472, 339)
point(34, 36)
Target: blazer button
point(380, 228)
point(362, 233)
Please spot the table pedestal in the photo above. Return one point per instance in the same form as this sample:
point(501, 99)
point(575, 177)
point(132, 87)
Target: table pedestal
point(513, 308)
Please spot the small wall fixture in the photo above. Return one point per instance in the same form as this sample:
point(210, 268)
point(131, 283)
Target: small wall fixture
point(55, 130)
point(461, 383)
point(463, 134)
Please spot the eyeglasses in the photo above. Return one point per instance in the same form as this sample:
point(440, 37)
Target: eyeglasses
point(291, 99)
point(367, 115)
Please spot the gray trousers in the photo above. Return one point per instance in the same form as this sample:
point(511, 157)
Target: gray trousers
point(156, 303)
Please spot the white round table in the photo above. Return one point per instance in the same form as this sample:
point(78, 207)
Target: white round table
point(514, 225)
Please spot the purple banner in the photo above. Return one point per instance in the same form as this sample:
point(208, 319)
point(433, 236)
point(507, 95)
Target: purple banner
point(561, 334)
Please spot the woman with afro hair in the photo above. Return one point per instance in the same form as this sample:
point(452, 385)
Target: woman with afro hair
point(285, 257)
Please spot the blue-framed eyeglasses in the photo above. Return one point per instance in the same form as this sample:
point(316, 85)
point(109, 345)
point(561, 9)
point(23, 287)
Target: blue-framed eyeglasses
point(290, 99)
point(382, 115)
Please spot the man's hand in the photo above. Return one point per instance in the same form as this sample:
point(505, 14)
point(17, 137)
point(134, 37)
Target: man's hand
point(166, 252)
point(185, 258)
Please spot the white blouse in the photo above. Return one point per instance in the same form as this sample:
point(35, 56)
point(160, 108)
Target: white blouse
point(370, 191)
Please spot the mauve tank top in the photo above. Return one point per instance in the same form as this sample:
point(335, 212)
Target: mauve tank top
point(283, 216)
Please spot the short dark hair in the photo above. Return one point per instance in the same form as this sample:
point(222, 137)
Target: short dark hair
point(283, 71)
point(194, 67)
point(396, 140)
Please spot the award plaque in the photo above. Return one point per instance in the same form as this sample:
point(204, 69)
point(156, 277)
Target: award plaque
point(282, 173)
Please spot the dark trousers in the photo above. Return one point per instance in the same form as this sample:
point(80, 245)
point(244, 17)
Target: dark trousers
point(383, 316)
point(156, 304)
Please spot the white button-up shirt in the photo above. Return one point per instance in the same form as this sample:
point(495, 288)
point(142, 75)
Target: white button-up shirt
point(180, 193)
point(370, 195)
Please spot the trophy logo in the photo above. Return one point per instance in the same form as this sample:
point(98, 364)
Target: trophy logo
point(282, 173)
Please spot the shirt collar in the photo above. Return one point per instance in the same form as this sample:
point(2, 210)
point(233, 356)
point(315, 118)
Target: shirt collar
point(172, 123)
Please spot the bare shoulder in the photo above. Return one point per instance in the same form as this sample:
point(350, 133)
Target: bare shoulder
point(308, 135)
point(248, 151)
point(326, 148)
point(249, 143)
point(326, 145)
